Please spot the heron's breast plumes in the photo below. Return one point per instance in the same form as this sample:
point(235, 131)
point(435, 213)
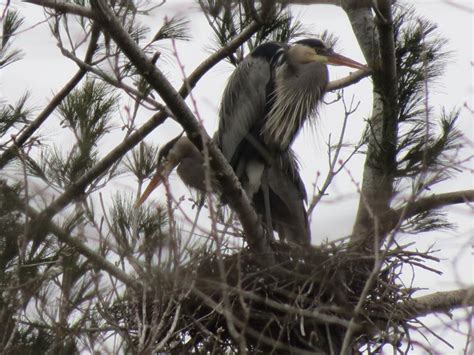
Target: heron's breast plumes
point(296, 97)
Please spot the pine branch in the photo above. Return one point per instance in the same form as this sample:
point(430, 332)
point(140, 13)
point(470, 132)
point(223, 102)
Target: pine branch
point(431, 203)
point(74, 242)
point(394, 218)
point(438, 302)
point(54, 103)
point(349, 80)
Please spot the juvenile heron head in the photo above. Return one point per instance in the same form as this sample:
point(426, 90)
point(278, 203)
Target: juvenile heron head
point(179, 152)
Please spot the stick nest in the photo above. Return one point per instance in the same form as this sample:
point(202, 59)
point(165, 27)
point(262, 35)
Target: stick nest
point(305, 302)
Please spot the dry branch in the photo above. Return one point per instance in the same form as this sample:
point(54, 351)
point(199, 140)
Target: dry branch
point(348, 80)
point(438, 302)
point(65, 7)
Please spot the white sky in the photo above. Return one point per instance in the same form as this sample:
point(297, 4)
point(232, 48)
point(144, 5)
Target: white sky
point(44, 71)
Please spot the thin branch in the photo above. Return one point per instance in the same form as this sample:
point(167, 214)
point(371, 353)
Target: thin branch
point(215, 58)
point(74, 242)
point(134, 93)
point(332, 172)
point(65, 7)
point(349, 80)
point(33, 126)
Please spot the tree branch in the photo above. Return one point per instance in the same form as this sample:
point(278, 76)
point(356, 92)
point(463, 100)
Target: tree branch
point(395, 217)
point(33, 126)
point(349, 80)
point(434, 202)
point(438, 302)
point(65, 7)
point(74, 242)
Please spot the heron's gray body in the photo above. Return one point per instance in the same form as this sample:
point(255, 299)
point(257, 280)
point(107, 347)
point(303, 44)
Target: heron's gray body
point(287, 196)
point(267, 100)
point(286, 189)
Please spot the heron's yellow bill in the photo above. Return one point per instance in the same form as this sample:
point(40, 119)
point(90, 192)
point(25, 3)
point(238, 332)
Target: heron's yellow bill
point(338, 59)
point(161, 174)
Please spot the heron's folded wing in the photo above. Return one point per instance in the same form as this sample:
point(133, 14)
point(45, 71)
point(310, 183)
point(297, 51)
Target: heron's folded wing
point(245, 100)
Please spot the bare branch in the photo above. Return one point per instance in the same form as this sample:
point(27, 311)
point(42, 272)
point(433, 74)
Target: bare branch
point(435, 201)
point(66, 7)
point(212, 60)
point(349, 80)
point(439, 302)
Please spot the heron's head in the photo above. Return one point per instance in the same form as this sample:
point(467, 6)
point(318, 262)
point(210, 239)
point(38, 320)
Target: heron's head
point(169, 157)
point(314, 50)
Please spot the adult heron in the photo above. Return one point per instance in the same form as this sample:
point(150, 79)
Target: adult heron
point(286, 191)
point(267, 99)
point(269, 96)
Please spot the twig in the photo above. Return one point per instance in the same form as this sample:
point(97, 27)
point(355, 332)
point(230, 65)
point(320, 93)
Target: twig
point(33, 126)
point(74, 242)
point(349, 80)
point(66, 7)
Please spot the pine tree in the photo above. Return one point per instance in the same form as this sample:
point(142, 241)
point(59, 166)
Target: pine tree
point(82, 272)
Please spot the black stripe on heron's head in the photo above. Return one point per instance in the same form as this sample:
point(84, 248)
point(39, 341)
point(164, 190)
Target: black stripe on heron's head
point(313, 43)
point(272, 52)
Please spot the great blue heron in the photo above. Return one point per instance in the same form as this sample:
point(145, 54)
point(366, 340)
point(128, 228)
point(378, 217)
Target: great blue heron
point(267, 99)
point(286, 191)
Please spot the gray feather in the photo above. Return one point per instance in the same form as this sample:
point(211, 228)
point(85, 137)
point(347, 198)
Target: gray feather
point(243, 103)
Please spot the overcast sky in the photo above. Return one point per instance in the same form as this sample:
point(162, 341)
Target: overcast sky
point(44, 71)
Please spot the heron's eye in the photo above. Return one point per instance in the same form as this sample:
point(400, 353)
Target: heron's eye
point(162, 159)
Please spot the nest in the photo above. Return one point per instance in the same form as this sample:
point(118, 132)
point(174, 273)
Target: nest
point(305, 302)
